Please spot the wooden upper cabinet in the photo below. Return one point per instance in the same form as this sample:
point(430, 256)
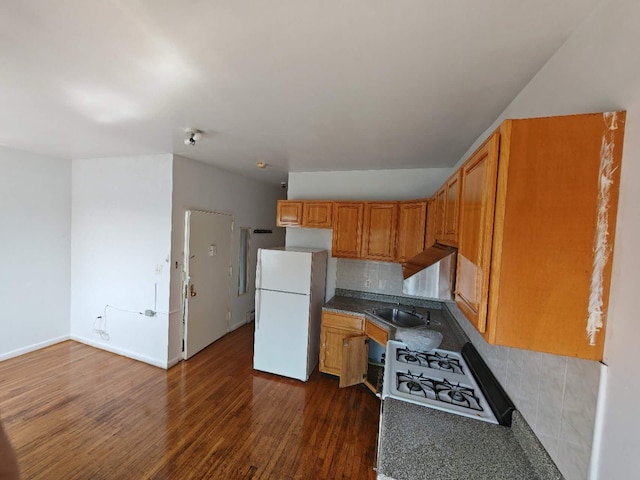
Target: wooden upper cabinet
point(289, 213)
point(430, 233)
point(379, 234)
point(451, 210)
point(412, 219)
point(554, 229)
point(439, 201)
point(348, 220)
point(317, 214)
point(477, 199)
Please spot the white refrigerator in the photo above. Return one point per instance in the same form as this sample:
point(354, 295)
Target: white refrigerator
point(290, 285)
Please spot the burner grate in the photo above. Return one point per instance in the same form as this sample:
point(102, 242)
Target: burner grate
point(435, 360)
point(439, 390)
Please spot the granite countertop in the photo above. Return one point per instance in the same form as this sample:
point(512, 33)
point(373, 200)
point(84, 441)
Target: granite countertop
point(358, 303)
point(419, 442)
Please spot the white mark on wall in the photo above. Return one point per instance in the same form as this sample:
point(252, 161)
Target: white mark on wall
point(601, 243)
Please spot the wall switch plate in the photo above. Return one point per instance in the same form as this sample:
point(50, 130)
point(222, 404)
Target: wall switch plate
point(367, 283)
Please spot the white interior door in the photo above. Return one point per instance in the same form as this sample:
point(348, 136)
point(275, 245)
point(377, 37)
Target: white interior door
point(208, 280)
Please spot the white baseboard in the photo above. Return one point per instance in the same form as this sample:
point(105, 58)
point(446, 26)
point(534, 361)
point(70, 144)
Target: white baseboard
point(121, 351)
point(236, 326)
point(174, 361)
point(33, 347)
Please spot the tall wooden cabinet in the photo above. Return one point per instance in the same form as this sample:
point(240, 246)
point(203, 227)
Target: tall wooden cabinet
point(551, 236)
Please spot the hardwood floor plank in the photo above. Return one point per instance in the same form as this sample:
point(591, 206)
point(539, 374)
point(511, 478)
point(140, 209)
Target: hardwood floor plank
point(75, 412)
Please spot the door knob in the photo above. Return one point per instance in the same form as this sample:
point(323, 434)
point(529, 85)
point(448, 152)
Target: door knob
point(192, 291)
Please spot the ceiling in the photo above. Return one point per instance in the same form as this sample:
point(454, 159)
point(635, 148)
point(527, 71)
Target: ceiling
point(299, 84)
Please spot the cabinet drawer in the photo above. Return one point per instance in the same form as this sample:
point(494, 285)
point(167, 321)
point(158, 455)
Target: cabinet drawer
point(341, 320)
point(377, 333)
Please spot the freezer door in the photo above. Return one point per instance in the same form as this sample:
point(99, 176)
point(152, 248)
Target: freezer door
point(282, 334)
point(284, 271)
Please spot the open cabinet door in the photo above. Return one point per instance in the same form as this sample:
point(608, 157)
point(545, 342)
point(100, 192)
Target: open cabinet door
point(354, 360)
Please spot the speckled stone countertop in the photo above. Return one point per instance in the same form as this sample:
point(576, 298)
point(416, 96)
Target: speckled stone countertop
point(419, 442)
point(358, 303)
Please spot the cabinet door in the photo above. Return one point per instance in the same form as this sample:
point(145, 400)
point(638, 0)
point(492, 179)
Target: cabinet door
point(348, 218)
point(354, 361)
point(317, 215)
point(439, 200)
point(478, 188)
point(451, 209)
point(554, 233)
point(335, 328)
point(412, 219)
point(430, 234)
point(380, 223)
point(331, 349)
point(289, 213)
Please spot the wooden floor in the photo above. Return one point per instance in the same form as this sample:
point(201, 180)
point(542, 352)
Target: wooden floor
point(73, 411)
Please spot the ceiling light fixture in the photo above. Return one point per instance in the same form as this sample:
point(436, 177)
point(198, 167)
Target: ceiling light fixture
point(194, 136)
point(261, 165)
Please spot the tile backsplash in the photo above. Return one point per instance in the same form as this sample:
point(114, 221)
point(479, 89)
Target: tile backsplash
point(556, 395)
point(367, 276)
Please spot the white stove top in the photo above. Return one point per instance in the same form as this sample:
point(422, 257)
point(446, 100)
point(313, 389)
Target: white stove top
point(437, 379)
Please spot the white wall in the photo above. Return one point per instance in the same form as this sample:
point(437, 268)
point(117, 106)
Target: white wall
point(120, 237)
point(35, 203)
point(356, 185)
point(598, 70)
point(253, 204)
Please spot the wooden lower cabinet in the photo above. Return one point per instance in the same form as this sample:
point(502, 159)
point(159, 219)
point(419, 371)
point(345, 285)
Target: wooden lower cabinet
point(344, 347)
point(334, 329)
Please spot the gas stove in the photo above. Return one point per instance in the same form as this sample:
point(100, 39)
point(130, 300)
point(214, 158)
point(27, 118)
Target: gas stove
point(444, 380)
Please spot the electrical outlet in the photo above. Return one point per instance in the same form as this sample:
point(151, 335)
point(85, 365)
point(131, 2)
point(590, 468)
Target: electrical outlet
point(159, 269)
point(367, 283)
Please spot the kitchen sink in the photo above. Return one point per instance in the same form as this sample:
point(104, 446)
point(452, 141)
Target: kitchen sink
point(400, 318)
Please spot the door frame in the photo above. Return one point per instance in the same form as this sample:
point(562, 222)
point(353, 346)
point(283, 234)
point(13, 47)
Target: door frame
point(185, 271)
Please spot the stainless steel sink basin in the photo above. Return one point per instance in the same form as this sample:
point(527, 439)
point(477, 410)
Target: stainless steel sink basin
point(400, 318)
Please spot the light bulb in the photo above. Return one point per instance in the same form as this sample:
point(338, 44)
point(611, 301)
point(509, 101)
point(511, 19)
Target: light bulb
point(187, 141)
point(197, 136)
